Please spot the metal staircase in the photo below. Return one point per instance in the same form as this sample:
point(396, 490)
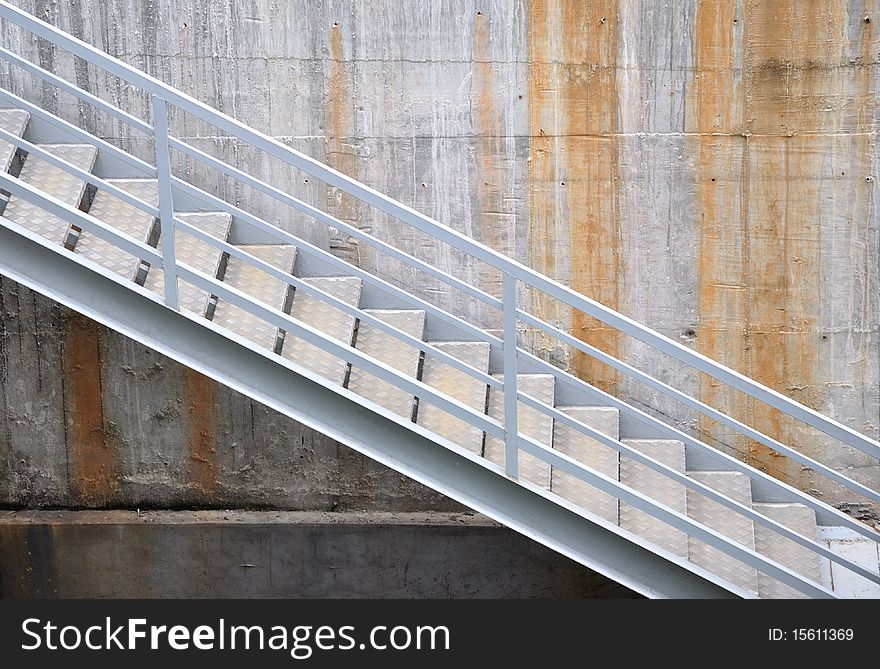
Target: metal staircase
point(475, 415)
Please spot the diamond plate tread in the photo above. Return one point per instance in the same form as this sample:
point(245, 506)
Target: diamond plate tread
point(529, 421)
point(590, 452)
point(728, 522)
point(255, 282)
point(125, 218)
point(55, 182)
point(197, 254)
point(786, 552)
point(329, 320)
point(458, 385)
point(388, 349)
point(660, 488)
point(13, 121)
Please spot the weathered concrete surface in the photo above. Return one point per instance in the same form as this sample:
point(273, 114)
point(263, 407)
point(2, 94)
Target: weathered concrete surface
point(286, 555)
point(708, 168)
point(91, 419)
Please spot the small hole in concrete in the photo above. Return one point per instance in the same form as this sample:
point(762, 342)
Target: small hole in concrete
point(519, 96)
point(713, 179)
point(867, 19)
point(604, 20)
point(424, 185)
point(336, 24)
point(824, 337)
point(690, 332)
point(479, 13)
point(184, 25)
point(305, 181)
point(563, 183)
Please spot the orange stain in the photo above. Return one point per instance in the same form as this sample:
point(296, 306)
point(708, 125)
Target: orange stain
point(574, 170)
point(92, 460)
point(199, 400)
point(715, 107)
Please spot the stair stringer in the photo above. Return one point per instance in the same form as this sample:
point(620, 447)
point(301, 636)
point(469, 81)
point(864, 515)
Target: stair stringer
point(199, 344)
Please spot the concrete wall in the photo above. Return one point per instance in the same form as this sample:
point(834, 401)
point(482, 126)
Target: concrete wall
point(708, 168)
point(286, 555)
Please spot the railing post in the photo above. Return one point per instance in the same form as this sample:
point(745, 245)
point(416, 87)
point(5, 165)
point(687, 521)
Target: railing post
point(166, 203)
point(511, 445)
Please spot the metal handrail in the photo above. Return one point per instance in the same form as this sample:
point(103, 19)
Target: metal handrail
point(513, 273)
point(443, 233)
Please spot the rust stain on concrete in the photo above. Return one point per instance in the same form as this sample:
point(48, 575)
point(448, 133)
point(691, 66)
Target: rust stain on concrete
point(92, 460)
point(199, 402)
point(495, 226)
point(715, 103)
point(339, 131)
point(574, 169)
point(794, 73)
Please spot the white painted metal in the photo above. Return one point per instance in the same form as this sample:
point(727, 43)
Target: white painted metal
point(259, 285)
point(530, 422)
point(671, 493)
point(12, 121)
point(456, 384)
point(167, 238)
point(856, 550)
point(804, 561)
point(401, 356)
point(591, 453)
point(124, 217)
point(735, 486)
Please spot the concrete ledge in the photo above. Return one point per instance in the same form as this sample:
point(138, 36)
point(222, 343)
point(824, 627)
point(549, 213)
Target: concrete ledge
point(62, 554)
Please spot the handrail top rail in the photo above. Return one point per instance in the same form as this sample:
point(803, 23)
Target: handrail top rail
point(442, 232)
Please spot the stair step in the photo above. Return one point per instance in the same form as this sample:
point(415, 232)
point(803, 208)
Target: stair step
point(55, 182)
point(261, 286)
point(125, 218)
point(728, 522)
point(326, 318)
point(458, 385)
point(197, 254)
point(13, 121)
point(530, 422)
point(590, 452)
point(857, 549)
point(388, 349)
point(786, 552)
point(670, 452)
